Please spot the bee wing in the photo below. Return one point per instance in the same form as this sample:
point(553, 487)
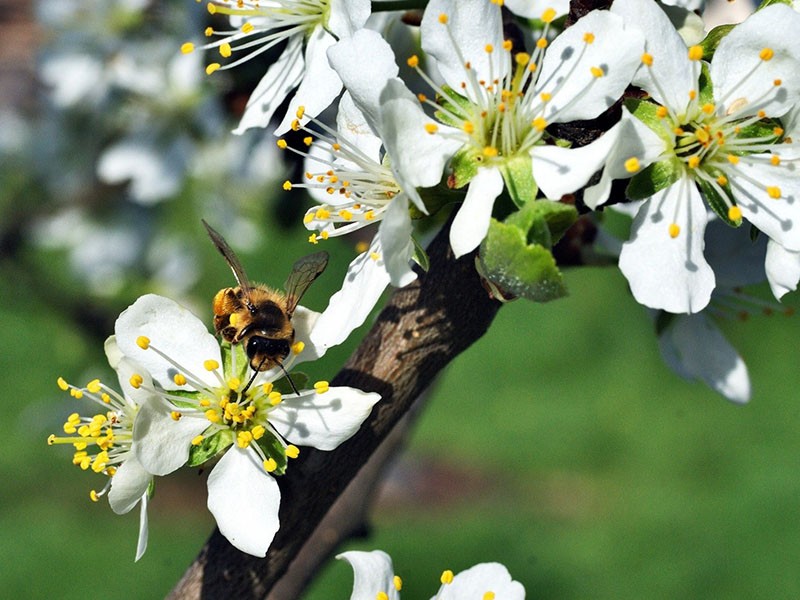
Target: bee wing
point(231, 259)
point(303, 274)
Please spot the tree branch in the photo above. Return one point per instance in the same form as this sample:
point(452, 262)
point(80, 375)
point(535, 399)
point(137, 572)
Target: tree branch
point(423, 327)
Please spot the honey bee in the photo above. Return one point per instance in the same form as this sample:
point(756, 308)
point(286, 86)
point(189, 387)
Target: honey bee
point(258, 316)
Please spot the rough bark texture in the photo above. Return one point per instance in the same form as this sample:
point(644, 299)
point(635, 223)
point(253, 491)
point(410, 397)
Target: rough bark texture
point(423, 327)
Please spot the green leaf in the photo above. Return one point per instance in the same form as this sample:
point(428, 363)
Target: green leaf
point(283, 386)
point(420, 256)
point(210, 447)
point(274, 449)
point(518, 269)
point(518, 176)
point(543, 222)
point(713, 38)
point(766, 3)
point(715, 201)
point(655, 177)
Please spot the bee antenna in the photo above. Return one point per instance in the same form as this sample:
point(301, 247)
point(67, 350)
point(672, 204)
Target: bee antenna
point(253, 377)
point(285, 372)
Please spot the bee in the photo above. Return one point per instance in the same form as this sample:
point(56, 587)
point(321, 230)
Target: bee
point(257, 316)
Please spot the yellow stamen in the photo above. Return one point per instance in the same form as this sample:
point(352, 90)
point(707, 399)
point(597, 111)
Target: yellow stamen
point(674, 230)
point(774, 192)
point(321, 387)
point(136, 381)
point(270, 465)
point(292, 451)
point(210, 365)
point(212, 67)
point(695, 53)
point(632, 165)
point(548, 15)
point(447, 577)
point(187, 48)
point(143, 342)
point(647, 59)
point(735, 213)
point(766, 54)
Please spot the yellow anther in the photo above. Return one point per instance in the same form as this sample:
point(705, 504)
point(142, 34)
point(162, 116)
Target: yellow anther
point(539, 123)
point(722, 180)
point(766, 54)
point(197, 440)
point(522, 58)
point(413, 61)
point(488, 48)
point(597, 71)
point(143, 342)
point(468, 127)
point(695, 53)
point(588, 37)
point(205, 402)
point(225, 50)
point(258, 432)
point(62, 384)
point(274, 398)
point(175, 415)
point(443, 18)
point(488, 596)
point(78, 394)
point(546, 96)
point(212, 67)
point(381, 596)
point(548, 15)
point(398, 583)
point(778, 131)
point(322, 214)
point(375, 256)
point(209, 31)
point(346, 214)
point(234, 383)
point(708, 108)
point(210, 365)
point(369, 215)
point(321, 387)
point(179, 379)
point(693, 162)
point(295, 125)
point(298, 347)
point(490, 151)
point(447, 577)
point(702, 136)
point(692, 94)
point(735, 213)
point(733, 159)
point(775, 160)
point(93, 386)
point(212, 415)
point(270, 465)
point(136, 381)
point(431, 128)
point(312, 239)
point(281, 143)
point(301, 111)
point(541, 43)
point(508, 45)
point(777, 82)
point(674, 230)
point(93, 496)
point(292, 451)
point(212, 9)
point(243, 439)
point(647, 59)
point(762, 114)
point(774, 192)
point(248, 28)
point(187, 48)
point(267, 387)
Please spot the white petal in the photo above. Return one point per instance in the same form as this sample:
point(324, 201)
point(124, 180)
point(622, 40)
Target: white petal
point(348, 16)
point(365, 79)
point(472, 221)
point(566, 70)
point(737, 55)
point(161, 443)
point(172, 329)
point(664, 272)
point(363, 285)
point(559, 171)
point(373, 573)
point(783, 269)
point(320, 84)
point(244, 500)
point(778, 218)
point(696, 349)
point(154, 171)
point(126, 369)
point(141, 543)
point(395, 239)
point(113, 353)
point(352, 127)
point(127, 485)
point(418, 158)
point(324, 420)
point(281, 78)
point(674, 73)
point(471, 26)
point(533, 9)
point(476, 581)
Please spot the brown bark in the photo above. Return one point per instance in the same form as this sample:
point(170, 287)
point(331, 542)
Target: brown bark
point(423, 327)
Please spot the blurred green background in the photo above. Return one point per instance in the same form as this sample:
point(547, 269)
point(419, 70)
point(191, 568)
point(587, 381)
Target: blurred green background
point(559, 444)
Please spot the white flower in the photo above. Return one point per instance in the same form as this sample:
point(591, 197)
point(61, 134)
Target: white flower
point(498, 102)
point(308, 28)
point(209, 402)
point(105, 442)
point(374, 579)
point(725, 145)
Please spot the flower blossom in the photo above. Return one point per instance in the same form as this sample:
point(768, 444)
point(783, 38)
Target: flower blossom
point(209, 402)
point(711, 136)
point(307, 27)
point(105, 442)
point(497, 103)
point(374, 579)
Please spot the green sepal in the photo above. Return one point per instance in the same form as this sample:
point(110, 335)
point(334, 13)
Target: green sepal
point(283, 386)
point(151, 488)
point(184, 394)
point(663, 320)
point(716, 202)
point(765, 128)
point(713, 38)
point(706, 85)
point(518, 176)
point(453, 103)
point(465, 165)
point(420, 256)
point(766, 3)
point(210, 447)
point(543, 221)
point(754, 233)
point(646, 112)
point(434, 198)
point(274, 449)
point(228, 351)
point(654, 178)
